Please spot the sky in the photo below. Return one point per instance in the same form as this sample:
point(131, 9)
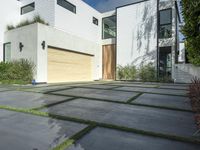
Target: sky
point(107, 5)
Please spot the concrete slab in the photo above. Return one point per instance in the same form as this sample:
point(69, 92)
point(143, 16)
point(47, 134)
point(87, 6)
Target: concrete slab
point(107, 139)
point(175, 87)
point(28, 99)
point(99, 86)
point(144, 118)
point(98, 93)
point(20, 131)
point(164, 100)
point(133, 85)
point(154, 90)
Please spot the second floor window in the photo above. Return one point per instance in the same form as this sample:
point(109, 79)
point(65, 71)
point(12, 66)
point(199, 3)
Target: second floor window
point(67, 5)
point(109, 27)
point(165, 24)
point(27, 8)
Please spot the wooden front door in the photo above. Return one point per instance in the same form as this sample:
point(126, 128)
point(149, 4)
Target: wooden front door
point(109, 62)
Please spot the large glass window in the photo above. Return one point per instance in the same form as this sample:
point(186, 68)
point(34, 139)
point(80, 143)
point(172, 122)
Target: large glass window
point(165, 23)
point(67, 5)
point(27, 8)
point(109, 27)
point(7, 52)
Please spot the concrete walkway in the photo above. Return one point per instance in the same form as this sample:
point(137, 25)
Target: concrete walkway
point(97, 116)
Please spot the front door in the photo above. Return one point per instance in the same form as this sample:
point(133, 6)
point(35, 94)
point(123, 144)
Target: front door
point(165, 62)
point(109, 62)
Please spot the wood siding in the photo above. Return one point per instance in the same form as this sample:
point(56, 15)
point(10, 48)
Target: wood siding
point(67, 66)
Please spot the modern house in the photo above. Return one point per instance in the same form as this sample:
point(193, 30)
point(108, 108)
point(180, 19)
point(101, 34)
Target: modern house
point(82, 44)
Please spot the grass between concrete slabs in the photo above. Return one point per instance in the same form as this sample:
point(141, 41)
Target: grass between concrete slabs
point(125, 103)
point(93, 124)
point(134, 98)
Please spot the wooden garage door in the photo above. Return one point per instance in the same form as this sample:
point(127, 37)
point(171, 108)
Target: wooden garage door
point(67, 66)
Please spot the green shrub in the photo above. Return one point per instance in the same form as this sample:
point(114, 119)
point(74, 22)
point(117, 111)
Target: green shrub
point(191, 29)
point(36, 19)
point(20, 72)
point(127, 72)
point(147, 72)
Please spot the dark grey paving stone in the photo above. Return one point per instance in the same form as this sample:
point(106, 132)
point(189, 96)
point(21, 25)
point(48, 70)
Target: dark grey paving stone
point(48, 88)
point(20, 131)
point(99, 86)
point(107, 139)
point(133, 85)
point(98, 93)
point(144, 118)
point(175, 87)
point(164, 100)
point(3, 89)
point(28, 99)
point(154, 90)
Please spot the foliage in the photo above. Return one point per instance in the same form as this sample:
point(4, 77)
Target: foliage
point(147, 72)
point(19, 72)
point(191, 29)
point(194, 94)
point(127, 72)
point(36, 19)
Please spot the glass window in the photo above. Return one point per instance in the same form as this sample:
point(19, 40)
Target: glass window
point(27, 8)
point(7, 52)
point(67, 5)
point(165, 16)
point(95, 21)
point(165, 31)
point(165, 23)
point(109, 27)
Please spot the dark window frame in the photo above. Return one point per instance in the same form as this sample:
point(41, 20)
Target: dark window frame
point(26, 6)
point(95, 21)
point(103, 27)
point(67, 8)
point(4, 51)
point(165, 24)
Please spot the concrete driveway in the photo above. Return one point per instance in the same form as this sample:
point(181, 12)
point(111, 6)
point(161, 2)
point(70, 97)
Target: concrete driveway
point(97, 116)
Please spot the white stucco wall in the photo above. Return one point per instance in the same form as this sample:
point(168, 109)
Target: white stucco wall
point(9, 14)
point(32, 37)
point(81, 23)
point(137, 33)
point(60, 39)
point(44, 8)
point(28, 37)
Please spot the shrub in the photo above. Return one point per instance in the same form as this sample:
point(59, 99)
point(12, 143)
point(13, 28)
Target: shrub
point(191, 29)
point(20, 71)
point(147, 72)
point(36, 19)
point(194, 94)
point(127, 72)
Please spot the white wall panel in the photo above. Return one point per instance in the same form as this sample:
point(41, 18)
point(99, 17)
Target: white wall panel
point(137, 33)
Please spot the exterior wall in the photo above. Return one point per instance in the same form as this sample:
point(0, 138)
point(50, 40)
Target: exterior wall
point(32, 37)
point(184, 73)
point(173, 42)
point(9, 14)
point(137, 33)
point(60, 39)
point(81, 23)
point(44, 8)
point(28, 37)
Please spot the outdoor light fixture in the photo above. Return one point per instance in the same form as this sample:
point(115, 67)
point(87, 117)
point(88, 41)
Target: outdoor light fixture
point(43, 45)
point(21, 46)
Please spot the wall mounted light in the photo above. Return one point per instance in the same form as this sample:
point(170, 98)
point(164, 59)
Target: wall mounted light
point(21, 46)
point(43, 45)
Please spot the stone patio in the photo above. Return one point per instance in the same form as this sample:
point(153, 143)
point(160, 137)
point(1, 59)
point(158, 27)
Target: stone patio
point(126, 115)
